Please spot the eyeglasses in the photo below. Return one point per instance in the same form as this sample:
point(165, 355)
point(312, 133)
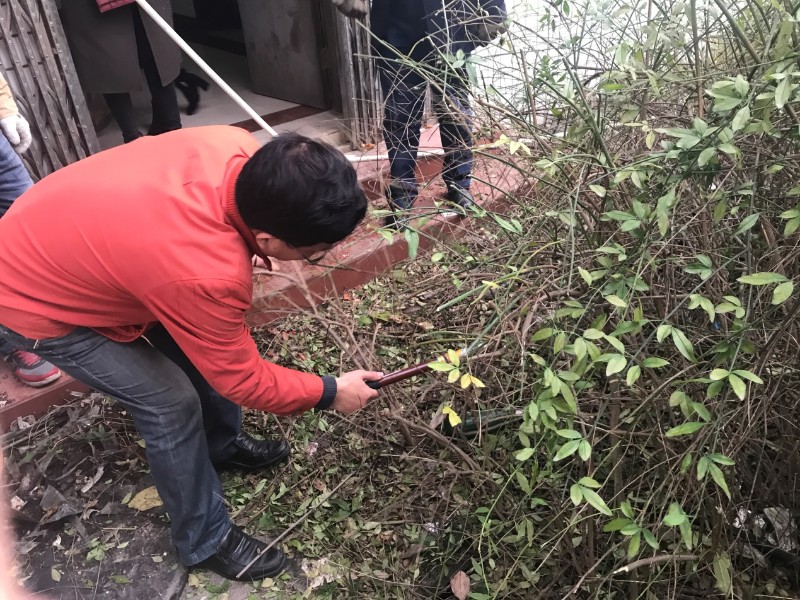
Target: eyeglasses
point(315, 257)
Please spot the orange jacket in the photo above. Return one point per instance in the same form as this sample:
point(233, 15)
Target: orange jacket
point(149, 232)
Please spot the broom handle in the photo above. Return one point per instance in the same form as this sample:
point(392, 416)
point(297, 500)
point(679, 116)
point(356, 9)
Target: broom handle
point(166, 28)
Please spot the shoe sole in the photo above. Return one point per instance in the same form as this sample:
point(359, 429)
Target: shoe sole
point(272, 573)
point(40, 382)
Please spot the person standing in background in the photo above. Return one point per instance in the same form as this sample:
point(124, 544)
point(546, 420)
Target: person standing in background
point(14, 180)
point(414, 42)
point(110, 50)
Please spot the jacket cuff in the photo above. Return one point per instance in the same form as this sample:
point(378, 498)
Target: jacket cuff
point(328, 393)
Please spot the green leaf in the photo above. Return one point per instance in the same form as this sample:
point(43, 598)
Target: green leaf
point(782, 292)
point(569, 434)
point(749, 376)
point(615, 365)
point(654, 362)
point(663, 331)
point(593, 334)
point(721, 459)
point(741, 118)
point(683, 344)
point(705, 156)
point(542, 334)
point(650, 539)
point(634, 544)
point(633, 375)
point(626, 509)
point(566, 450)
point(524, 454)
point(616, 301)
point(722, 573)
point(616, 525)
point(618, 346)
point(783, 92)
point(686, 142)
point(738, 386)
point(586, 276)
point(599, 190)
point(718, 374)
point(763, 278)
point(702, 468)
point(685, 428)
point(719, 478)
point(701, 411)
point(589, 482)
point(585, 450)
point(576, 494)
point(791, 226)
point(440, 366)
point(674, 520)
point(747, 224)
point(595, 500)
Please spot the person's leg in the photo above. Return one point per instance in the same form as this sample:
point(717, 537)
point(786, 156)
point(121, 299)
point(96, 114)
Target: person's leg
point(451, 103)
point(167, 413)
point(14, 181)
point(222, 419)
point(14, 178)
point(121, 107)
point(163, 99)
point(228, 446)
point(404, 101)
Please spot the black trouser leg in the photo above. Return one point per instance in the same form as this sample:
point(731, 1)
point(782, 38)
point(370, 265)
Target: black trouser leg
point(121, 108)
point(166, 116)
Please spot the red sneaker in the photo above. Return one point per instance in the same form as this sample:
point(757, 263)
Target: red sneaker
point(31, 369)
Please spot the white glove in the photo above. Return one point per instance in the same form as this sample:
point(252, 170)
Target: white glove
point(352, 8)
point(17, 131)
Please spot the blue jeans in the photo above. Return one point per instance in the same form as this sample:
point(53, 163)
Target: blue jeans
point(14, 180)
point(403, 88)
point(185, 423)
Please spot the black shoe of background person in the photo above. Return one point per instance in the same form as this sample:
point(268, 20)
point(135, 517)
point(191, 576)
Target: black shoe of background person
point(401, 204)
point(188, 83)
point(461, 197)
point(253, 455)
point(235, 553)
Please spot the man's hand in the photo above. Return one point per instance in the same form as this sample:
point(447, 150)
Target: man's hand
point(352, 392)
point(17, 131)
point(352, 8)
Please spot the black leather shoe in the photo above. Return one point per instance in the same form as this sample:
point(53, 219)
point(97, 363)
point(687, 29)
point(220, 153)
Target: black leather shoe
point(395, 221)
point(461, 197)
point(252, 454)
point(235, 553)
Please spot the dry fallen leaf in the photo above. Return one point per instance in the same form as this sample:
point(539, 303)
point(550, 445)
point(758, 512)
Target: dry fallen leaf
point(459, 584)
point(146, 499)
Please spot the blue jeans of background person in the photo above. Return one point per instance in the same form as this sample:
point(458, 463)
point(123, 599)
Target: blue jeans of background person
point(14, 180)
point(403, 88)
point(185, 423)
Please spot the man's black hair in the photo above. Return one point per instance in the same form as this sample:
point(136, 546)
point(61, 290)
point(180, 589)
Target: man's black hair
point(301, 191)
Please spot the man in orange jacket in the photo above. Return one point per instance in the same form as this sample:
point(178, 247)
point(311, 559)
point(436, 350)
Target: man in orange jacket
point(136, 281)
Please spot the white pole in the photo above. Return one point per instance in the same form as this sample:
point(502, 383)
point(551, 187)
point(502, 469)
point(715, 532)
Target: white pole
point(145, 6)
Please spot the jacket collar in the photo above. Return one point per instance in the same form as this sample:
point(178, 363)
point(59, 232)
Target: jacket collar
point(232, 212)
